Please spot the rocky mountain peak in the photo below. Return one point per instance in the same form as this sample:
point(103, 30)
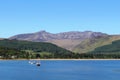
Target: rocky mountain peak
point(46, 36)
point(42, 31)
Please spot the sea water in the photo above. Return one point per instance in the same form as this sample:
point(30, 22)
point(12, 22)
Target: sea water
point(60, 70)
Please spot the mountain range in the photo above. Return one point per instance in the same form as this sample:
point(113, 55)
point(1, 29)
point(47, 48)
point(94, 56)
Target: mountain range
point(80, 42)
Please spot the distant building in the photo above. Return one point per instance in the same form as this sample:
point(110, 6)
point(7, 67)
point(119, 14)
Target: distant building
point(1, 57)
point(13, 57)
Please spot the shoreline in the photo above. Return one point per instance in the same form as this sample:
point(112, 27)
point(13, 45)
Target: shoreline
point(77, 59)
point(61, 59)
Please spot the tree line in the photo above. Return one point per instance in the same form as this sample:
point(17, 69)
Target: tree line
point(14, 49)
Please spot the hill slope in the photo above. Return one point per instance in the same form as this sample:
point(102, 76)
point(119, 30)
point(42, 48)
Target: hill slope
point(114, 47)
point(75, 41)
point(67, 40)
point(35, 47)
point(90, 44)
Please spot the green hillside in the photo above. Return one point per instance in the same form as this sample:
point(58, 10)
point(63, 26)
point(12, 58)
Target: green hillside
point(111, 51)
point(90, 44)
point(48, 49)
point(7, 53)
point(114, 47)
point(26, 49)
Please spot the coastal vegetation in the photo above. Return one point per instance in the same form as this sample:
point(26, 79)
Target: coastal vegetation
point(15, 49)
point(30, 49)
point(8, 53)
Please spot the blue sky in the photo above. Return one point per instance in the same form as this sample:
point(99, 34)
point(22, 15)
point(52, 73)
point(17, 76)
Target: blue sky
point(26, 16)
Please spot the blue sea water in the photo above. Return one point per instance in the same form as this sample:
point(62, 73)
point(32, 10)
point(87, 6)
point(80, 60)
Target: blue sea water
point(60, 70)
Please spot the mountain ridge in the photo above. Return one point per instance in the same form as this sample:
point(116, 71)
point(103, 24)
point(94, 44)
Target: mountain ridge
point(75, 41)
point(46, 36)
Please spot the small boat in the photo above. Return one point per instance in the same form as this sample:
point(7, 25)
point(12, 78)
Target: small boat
point(32, 62)
point(37, 64)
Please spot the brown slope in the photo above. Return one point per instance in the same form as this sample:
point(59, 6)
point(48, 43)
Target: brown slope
point(66, 43)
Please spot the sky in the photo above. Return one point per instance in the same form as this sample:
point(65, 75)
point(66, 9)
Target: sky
point(55, 16)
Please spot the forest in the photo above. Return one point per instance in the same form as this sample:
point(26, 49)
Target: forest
point(27, 49)
point(15, 49)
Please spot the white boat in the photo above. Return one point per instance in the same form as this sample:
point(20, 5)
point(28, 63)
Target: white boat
point(35, 62)
point(38, 63)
